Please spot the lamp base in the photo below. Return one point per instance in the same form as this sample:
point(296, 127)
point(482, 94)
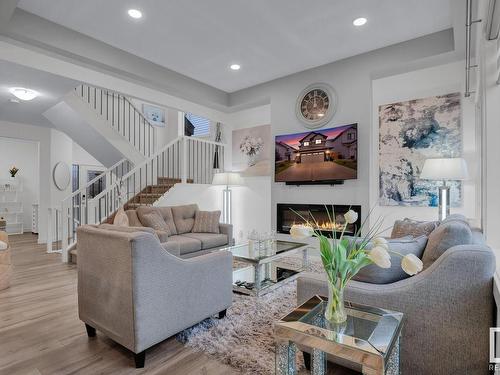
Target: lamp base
point(226, 206)
point(444, 202)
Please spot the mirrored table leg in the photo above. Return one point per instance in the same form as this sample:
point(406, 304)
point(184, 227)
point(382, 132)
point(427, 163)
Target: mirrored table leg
point(305, 258)
point(285, 358)
point(393, 363)
point(318, 365)
point(257, 277)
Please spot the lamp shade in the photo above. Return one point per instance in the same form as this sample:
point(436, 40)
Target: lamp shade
point(227, 179)
point(444, 169)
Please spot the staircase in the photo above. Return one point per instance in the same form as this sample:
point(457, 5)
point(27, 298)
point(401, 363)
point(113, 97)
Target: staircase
point(184, 160)
point(106, 124)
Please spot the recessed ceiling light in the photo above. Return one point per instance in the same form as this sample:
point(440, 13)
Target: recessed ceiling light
point(23, 94)
point(235, 67)
point(359, 21)
point(135, 13)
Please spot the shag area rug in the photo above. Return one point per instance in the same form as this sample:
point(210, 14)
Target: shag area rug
point(244, 339)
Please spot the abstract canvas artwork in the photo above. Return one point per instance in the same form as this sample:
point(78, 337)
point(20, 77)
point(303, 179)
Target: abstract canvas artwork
point(411, 132)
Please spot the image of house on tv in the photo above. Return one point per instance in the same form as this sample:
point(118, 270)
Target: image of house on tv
point(320, 155)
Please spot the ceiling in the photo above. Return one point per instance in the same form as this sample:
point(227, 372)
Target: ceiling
point(270, 39)
point(50, 87)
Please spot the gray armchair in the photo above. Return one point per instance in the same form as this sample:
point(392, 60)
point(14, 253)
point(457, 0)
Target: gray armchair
point(139, 294)
point(448, 310)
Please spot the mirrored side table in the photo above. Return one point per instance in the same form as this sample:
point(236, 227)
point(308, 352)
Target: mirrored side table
point(368, 342)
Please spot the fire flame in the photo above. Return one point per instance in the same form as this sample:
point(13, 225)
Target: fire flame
point(324, 225)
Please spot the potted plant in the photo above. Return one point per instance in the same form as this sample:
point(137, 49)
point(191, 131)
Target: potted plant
point(344, 257)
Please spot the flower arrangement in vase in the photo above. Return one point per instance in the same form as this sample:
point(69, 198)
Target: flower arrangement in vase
point(13, 171)
point(251, 147)
point(344, 257)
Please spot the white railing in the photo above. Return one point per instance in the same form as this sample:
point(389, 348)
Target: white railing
point(78, 208)
point(185, 159)
point(122, 116)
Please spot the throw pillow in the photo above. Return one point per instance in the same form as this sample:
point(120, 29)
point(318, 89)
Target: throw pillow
point(206, 222)
point(155, 221)
point(408, 227)
point(3, 245)
point(449, 234)
point(373, 274)
point(121, 218)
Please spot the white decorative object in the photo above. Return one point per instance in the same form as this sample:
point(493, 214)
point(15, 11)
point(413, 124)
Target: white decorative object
point(155, 115)
point(445, 169)
point(227, 179)
point(252, 151)
point(316, 105)
point(61, 175)
point(11, 207)
point(34, 219)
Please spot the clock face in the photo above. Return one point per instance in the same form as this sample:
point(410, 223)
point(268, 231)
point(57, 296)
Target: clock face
point(316, 105)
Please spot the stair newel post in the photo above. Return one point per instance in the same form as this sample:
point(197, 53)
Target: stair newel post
point(66, 222)
point(183, 161)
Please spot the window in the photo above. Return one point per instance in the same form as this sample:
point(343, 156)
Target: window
point(306, 143)
point(350, 136)
point(318, 141)
point(201, 125)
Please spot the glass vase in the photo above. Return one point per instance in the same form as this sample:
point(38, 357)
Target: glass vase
point(335, 310)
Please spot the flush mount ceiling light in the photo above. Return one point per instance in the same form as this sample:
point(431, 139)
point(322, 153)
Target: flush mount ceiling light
point(359, 21)
point(23, 94)
point(235, 67)
point(135, 13)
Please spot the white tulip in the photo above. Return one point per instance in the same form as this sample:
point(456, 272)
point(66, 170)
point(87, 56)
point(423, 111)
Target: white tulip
point(411, 264)
point(301, 231)
point(351, 217)
point(380, 241)
point(380, 257)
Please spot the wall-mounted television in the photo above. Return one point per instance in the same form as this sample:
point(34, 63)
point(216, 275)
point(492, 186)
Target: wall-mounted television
point(324, 156)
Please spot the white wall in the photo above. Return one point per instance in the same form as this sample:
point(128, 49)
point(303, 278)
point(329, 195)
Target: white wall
point(42, 137)
point(61, 150)
point(442, 79)
point(352, 80)
point(24, 155)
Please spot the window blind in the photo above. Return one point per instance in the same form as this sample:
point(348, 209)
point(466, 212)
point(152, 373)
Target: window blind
point(201, 125)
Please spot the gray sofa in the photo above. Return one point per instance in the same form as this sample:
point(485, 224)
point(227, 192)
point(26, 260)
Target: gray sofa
point(180, 221)
point(137, 293)
point(448, 307)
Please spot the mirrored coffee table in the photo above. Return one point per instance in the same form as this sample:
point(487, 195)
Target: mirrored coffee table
point(368, 342)
point(265, 271)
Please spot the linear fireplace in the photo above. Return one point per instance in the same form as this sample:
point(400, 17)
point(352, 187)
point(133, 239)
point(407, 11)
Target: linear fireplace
point(317, 216)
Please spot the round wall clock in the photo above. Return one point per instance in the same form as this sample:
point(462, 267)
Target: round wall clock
point(316, 105)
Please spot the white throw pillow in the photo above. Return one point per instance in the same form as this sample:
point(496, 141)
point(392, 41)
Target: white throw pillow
point(3, 245)
point(121, 218)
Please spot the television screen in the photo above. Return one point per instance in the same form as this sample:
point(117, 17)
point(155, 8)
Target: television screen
point(320, 156)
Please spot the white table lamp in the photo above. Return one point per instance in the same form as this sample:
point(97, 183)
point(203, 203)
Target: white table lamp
point(227, 179)
point(444, 169)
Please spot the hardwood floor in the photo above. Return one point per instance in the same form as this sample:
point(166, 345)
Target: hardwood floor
point(40, 333)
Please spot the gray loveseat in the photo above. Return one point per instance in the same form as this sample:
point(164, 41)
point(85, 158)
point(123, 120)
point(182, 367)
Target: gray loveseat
point(139, 294)
point(448, 307)
point(180, 221)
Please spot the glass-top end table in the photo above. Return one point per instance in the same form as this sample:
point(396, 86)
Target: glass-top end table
point(367, 342)
point(265, 271)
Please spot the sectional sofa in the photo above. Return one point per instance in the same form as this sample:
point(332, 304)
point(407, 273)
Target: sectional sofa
point(180, 221)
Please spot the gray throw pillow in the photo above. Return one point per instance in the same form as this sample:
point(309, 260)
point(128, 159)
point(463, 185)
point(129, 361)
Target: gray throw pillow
point(155, 221)
point(409, 227)
point(373, 274)
point(206, 222)
point(448, 234)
